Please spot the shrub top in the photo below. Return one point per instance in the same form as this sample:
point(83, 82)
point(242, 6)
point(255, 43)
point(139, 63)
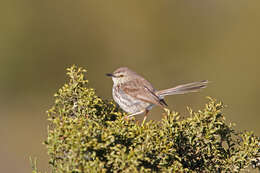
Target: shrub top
point(88, 134)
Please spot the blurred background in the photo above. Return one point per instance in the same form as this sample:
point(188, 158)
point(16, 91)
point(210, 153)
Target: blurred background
point(169, 42)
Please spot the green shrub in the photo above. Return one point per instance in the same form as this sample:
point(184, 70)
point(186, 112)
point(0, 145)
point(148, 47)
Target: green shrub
point(88, 134)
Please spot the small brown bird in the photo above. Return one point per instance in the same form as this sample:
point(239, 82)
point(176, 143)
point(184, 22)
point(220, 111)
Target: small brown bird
point(136, 95)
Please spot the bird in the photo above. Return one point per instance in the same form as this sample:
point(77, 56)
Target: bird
point(136, 95)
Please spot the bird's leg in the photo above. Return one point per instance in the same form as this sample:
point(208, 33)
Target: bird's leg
point(131, 115)
point(140, 112)
point(145, 116)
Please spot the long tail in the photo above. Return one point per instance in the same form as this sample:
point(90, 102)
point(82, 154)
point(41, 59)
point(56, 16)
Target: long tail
point(182, 89)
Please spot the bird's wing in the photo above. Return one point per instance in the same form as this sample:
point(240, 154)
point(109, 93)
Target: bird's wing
point(142, 90)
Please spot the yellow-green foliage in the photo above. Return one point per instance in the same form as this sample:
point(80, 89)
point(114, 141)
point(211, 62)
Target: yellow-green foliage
point(88, 134)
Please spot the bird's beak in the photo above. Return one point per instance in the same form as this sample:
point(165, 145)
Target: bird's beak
point(110, 75)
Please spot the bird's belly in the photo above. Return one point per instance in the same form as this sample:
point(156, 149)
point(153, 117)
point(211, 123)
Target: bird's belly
point(130, 104)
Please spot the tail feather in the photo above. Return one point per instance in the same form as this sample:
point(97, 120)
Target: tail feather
point(182, 89)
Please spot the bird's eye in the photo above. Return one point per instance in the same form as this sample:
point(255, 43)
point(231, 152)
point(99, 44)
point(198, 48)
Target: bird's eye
point(121, 75)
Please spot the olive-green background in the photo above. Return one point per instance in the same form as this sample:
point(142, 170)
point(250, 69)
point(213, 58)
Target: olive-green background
point(170, 42)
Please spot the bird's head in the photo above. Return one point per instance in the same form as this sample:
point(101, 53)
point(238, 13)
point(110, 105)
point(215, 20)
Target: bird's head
point(121, 75)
